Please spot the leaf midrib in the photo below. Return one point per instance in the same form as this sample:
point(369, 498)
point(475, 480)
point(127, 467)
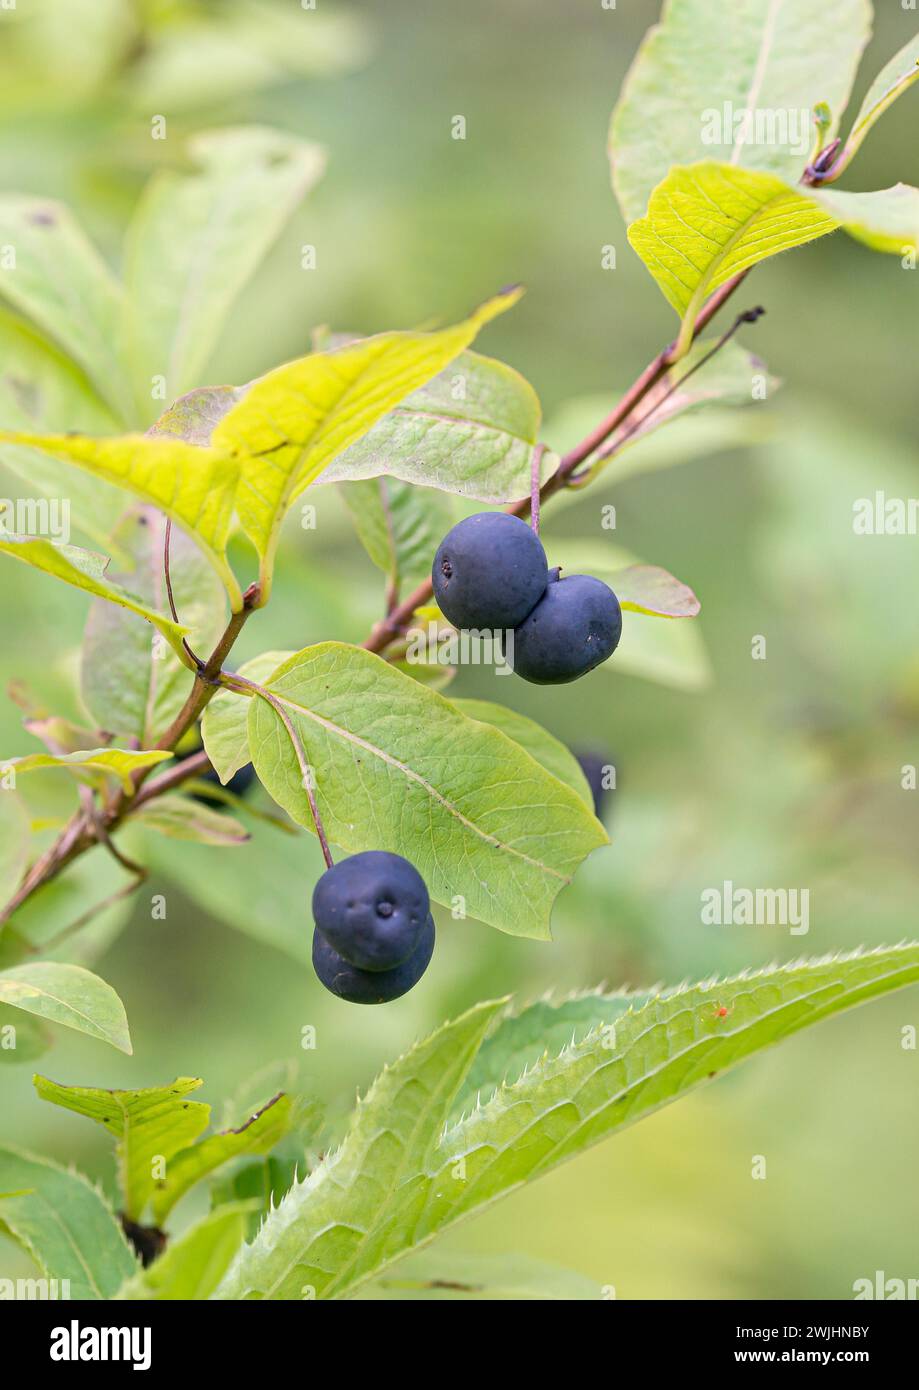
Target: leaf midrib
point(414, 776)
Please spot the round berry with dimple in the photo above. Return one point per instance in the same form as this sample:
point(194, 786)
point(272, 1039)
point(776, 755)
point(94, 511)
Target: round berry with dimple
point(489, 571)
point(372, 909)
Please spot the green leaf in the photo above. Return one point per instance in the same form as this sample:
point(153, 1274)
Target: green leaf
point(132, 687)
point(435, 1277)
point(246, 184)
point(400, 527)
point(181, 818)
point(69, 995)
point(115, 762)
point(85, 570)
point(347, 1219)
point(191, 1267)
point(263, 1181)
point(707, 222)
point(640, 588)
point(773, 58)
point(397, 767)
point(550, 752)
point(656, 1054)
point(150, 1126)
point(65, 1224)
point(541, 1030)
point(471, 430)
point(886, 220)
point(258, 1135)
point(225, 725)
point(255, 1091)
point(15, 835)
point(59, 281)
point(292, 423)
point(195, 486)
point(891, 82)
point(654, 591)
point(380, 1198)
point(194, 416)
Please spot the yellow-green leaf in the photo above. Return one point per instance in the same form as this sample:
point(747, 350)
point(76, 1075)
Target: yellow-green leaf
point(258, 1135)
point(707, 222)
point(290, 424)
point(85, 569)
point(183, 818)
point(886, 220)
point(119, 762)
point(148, 1125)
point(195, 486)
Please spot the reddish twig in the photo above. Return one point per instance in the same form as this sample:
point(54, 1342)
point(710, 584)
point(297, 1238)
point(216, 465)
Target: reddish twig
point(396, 622)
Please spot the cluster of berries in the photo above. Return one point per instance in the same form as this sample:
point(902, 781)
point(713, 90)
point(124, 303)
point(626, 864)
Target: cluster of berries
point(490, 573)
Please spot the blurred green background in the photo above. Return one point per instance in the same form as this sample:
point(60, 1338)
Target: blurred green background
point(782, 772)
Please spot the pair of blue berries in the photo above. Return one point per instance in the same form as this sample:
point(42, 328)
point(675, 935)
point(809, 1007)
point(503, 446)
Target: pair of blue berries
point(490, 573)
point(374, 934)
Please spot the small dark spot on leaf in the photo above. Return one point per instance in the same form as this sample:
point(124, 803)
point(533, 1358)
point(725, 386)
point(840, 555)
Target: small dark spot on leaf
point(41, 219)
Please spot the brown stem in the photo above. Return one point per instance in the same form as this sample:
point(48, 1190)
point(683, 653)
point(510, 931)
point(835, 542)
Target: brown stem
point(81, 832)
point(615, 444)
point(97, 819)
point(397, 621)
point(173, 777)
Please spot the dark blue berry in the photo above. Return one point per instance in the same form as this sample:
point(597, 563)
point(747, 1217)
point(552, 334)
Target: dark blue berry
point(576, 625)
point(372, 909)
point(489, 571)
point(371, 986)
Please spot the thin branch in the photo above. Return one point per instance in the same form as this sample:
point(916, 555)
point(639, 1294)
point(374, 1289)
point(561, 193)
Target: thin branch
point(173, 777)
point(613, 447)
point(86, 917)
point(102, 835)
point(79, 834)
point(398, 621)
